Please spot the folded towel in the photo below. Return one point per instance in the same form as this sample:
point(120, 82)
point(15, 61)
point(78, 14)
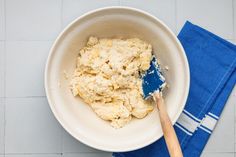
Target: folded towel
point(212, 62)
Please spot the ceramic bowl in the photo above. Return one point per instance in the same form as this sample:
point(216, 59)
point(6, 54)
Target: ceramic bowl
point(76, 116)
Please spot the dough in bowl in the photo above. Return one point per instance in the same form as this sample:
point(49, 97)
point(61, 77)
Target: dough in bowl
point(107, 78)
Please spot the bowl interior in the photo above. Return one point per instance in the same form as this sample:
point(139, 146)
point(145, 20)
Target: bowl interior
point(76, 116)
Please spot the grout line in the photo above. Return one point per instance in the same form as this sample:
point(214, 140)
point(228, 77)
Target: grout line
point(4, 119)
point(219, 152)
point(215, 152)
point(4, 80)
point(176, 31)
point(5, 19)
point(10, 40)
point(50, 40)
point(62, 3)
point(62, 141)
point(59, 153)
point(33, 153)
point(88, 153)
point(22, 97)
point(233, 9)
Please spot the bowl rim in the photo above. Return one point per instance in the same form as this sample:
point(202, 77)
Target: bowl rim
point(53, 108)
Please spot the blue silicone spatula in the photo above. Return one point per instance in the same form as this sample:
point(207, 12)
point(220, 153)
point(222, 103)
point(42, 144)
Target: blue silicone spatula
point(153, 83)
point(152, 80)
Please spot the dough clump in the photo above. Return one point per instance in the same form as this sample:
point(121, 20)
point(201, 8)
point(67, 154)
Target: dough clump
point(107, 77)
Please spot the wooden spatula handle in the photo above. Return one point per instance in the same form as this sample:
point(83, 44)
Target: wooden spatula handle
point(167, 128)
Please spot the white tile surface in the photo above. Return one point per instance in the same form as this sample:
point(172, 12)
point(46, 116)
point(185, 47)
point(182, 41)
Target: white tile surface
point(214, 15)
point(222, 139)
point(87, 155)
point(33, 19)
point(74, 8)
point(163, 9)
point(217, 155)
point(1, 126)
point(2, 67)
point(71, 145)
point(31, 127)
point(2, 19)
point(25, 63)
point(234, 19)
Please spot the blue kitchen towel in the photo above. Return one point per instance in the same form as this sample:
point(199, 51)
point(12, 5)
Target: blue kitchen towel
point(212, 62)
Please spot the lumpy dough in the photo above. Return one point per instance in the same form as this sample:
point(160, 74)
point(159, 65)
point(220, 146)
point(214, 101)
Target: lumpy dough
point(107, 77)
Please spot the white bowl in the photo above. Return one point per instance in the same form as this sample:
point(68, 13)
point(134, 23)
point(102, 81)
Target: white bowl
point(76, 116)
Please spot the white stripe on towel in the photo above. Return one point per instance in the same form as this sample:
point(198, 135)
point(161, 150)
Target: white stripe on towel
point(189, 114)
point(181, 128)
point(204, 129)
point(187, 122)
point(209, 122)
point(211, 114)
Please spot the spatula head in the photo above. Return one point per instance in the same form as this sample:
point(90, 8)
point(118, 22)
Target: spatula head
point(152, 79)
